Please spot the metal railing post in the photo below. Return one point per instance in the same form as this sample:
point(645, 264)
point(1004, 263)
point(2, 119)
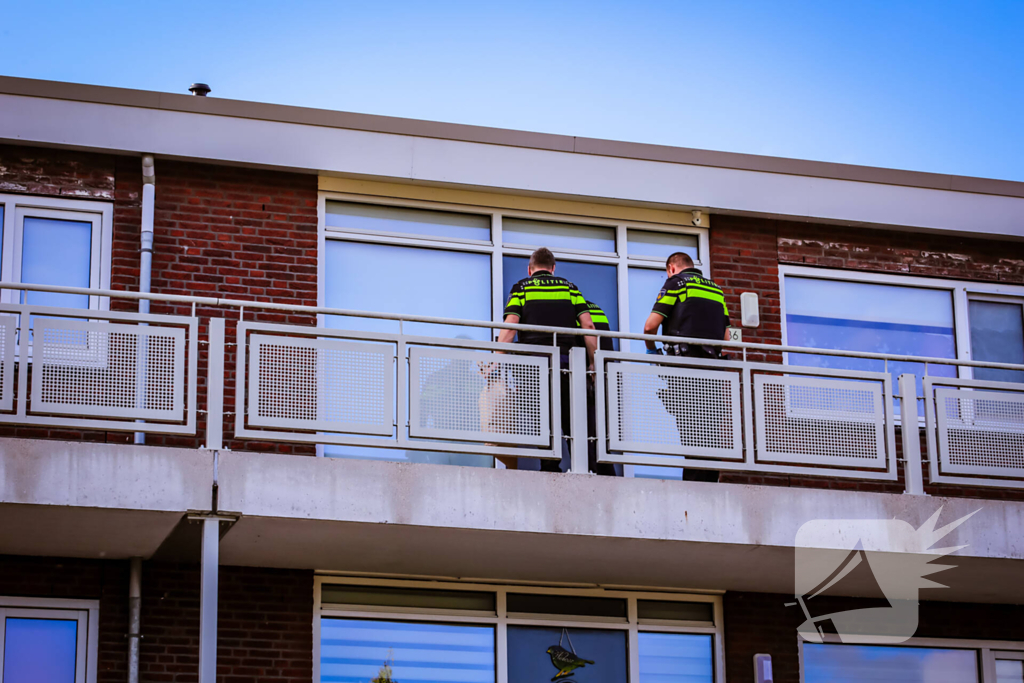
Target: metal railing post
point(215, 386)
point(911, 434)
point(578, 461)
point(208, 588)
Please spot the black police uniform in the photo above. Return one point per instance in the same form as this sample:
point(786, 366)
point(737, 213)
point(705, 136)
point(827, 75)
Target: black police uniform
point(692, 306)
point(600, 320)
point(549, 300)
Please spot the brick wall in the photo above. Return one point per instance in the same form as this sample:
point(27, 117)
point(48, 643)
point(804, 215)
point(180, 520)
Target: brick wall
point(264, 629)
point(106, 581)
point(54, 172)
point(219, 231)
point(264, 621)
point(761, 623)
point(228, 232)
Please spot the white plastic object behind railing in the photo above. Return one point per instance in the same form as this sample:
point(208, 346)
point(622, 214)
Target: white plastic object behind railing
point(380, 390)
point(97, 369)
point(975, 432)
point(735, 415)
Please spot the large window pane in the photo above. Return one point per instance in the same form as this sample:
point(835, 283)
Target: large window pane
point(410, 280)
point(1, 237)
point(660, 244)
point(40, 650)
point(863, 663)
point(597, 282)
point(858, 316)
point(531, 233)
point(997, 336)
point(414, 281)
point(357, 651)
point(675, 658)
point(644, 285)
point(56, 252)
point(537, 655)
point(401, 220)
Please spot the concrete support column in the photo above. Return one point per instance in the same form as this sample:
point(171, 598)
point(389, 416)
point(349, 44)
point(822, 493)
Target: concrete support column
point(208, 600)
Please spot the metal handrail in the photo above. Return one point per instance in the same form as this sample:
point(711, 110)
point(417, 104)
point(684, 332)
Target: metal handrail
point(573, 331)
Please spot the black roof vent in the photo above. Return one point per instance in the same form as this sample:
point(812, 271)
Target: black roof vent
point(199, 89)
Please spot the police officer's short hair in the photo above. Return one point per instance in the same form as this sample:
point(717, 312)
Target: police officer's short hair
point(542, 259)
point(679, 260)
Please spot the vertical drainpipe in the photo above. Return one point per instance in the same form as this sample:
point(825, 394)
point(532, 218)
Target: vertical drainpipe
point(134, 618)
point(146, 266)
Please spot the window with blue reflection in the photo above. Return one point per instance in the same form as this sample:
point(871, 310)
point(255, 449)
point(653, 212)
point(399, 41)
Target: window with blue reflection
point(876, 318)
point(660, 244)
point(414, 281)
point(56, 252)
point(358, 651)
point(997, 336)
point(882, 664)
point(597, 282)
point(555, 236)
point(644, 285)
point(402, 220)
point(1009, 671)
point(675, 658)
point(40, 650)
point(537, 654)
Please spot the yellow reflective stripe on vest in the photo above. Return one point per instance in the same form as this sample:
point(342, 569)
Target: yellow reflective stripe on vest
point(705, 294)
point(548, 296)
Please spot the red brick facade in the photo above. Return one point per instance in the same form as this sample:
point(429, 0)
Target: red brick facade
point(761, 623)
point(252, 234)
point(219, 231)
point(264, 628)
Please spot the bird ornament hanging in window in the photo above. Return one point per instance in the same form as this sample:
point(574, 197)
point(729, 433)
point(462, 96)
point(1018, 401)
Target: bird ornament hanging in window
point(566, 661)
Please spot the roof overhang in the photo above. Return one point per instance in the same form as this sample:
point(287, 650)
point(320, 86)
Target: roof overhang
point(353, 145)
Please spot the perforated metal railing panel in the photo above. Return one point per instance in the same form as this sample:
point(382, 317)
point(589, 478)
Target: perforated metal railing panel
point(8, 329)
point(980, 432)
point(818, 421)
point(321, 384)
point(96, 368)
point(479, 396)
point(674, 411)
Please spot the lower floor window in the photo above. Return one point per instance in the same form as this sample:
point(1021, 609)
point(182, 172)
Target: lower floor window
point(43, 645)
point(409, 632)
point(884, 664)
point(357, 651)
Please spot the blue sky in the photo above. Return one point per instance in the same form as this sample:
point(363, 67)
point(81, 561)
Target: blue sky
point(932, 86)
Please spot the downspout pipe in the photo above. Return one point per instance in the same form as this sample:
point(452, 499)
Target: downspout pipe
point(146, 264)
point(134, 618)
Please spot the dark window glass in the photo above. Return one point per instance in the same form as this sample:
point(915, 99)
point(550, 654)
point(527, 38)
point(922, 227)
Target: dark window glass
point(407, 597)
point(540, 603)
point(677, 611)
point(997, 336)
point(538, 655)
point(597, 283)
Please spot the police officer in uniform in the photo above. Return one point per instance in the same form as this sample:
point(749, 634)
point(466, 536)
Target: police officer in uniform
point(605, 344)
point(543, 298)
point(688, 305)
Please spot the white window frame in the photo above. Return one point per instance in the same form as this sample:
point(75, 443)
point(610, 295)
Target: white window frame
point(988, 651)
point(962, 292)
point(99, 214)
point(85, 612)
point(502, 619)
point(496, 247)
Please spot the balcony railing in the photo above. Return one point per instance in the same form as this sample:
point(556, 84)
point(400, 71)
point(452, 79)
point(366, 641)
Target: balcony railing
point(122, 371)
